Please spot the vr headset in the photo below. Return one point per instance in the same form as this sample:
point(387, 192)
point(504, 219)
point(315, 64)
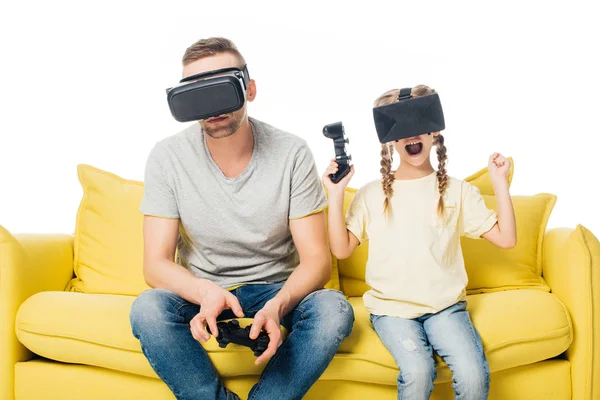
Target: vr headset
point(410, 116)
point(208, 94)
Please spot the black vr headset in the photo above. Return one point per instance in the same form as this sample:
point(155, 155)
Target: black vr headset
point(410, 116)
point(209, 94)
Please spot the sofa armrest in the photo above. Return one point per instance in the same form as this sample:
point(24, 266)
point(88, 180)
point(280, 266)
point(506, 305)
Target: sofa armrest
point(572, 270)
point(28, 264)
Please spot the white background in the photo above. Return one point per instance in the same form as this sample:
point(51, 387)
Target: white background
point(84, 82)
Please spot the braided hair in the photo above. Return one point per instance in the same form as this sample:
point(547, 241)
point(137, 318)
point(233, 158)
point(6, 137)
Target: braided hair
point(387, 175)
point(442, 177)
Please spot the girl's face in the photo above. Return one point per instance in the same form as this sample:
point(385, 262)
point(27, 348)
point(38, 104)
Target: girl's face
point(415, 150)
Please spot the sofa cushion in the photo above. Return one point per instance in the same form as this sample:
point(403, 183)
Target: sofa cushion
point(108, 237)
point(517, 328)
point(489, 268)
point(108, 242)
point(547, 380)
point(94, 329)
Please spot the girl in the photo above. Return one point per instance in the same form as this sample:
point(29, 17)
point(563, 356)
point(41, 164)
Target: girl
point(413, 218)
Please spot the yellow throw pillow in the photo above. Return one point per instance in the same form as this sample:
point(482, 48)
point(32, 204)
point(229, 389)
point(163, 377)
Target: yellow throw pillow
point(108, 236)
point(491, 268)
point(108, 243)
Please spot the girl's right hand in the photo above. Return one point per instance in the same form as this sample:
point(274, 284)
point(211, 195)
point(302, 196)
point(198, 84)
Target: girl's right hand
point(341, 185)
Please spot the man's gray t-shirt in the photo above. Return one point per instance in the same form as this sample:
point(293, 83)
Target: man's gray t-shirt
point(239, 226)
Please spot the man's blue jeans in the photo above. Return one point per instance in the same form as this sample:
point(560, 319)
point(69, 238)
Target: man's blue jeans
point(317, 326)
point(452, 335)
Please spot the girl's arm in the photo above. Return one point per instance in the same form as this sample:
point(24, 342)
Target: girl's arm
point(504, 233)
point(341, 240)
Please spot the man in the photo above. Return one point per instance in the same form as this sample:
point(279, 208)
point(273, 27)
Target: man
point(242, 203)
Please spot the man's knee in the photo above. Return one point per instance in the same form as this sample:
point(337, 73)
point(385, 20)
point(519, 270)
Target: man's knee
point(332, 314)
point(150, 308)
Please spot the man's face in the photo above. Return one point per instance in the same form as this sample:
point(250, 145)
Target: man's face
point(227, 124)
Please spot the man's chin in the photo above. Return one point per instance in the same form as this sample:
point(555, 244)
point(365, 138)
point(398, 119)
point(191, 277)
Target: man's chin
point(217, 132)
point(222, 129)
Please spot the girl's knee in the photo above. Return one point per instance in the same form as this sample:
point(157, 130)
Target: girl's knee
point(421, 372)
point(472, 381)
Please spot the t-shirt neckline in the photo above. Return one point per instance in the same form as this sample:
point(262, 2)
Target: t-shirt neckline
point(251, 163)
point(416, 180)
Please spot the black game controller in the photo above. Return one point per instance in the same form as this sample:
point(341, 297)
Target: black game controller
point(231, 332)
point(336, 132)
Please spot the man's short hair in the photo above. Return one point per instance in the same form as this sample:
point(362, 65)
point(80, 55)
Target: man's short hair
point(209, 47)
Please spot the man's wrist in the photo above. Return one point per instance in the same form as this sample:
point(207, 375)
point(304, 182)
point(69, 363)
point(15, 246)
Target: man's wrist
point(280, 302)
point(194, 289)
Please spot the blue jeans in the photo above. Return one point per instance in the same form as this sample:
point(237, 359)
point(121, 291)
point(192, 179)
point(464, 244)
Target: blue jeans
point(452, 335)
point(317, 326)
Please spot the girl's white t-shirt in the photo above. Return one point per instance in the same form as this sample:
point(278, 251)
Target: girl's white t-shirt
point(415, 263)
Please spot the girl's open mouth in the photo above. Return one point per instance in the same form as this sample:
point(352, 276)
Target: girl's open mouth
point(414, 148)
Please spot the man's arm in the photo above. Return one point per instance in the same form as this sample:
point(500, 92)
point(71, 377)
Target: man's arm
point(312, 274)
point(314, 269)
point(160, 271)
point(161, 230)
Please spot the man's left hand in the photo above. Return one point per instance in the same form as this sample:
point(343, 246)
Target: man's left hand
point(267, 319)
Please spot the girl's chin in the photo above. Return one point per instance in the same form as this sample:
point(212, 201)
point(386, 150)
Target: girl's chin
point(414, 161)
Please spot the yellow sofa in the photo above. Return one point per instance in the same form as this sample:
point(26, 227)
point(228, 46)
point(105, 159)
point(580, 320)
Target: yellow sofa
point(65, 301)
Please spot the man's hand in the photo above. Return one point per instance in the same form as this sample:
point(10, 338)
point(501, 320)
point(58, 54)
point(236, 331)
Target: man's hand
point(267, 319)
point(212, 300)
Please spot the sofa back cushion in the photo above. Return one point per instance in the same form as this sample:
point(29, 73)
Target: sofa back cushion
point(489, 268)
point(109, 243)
